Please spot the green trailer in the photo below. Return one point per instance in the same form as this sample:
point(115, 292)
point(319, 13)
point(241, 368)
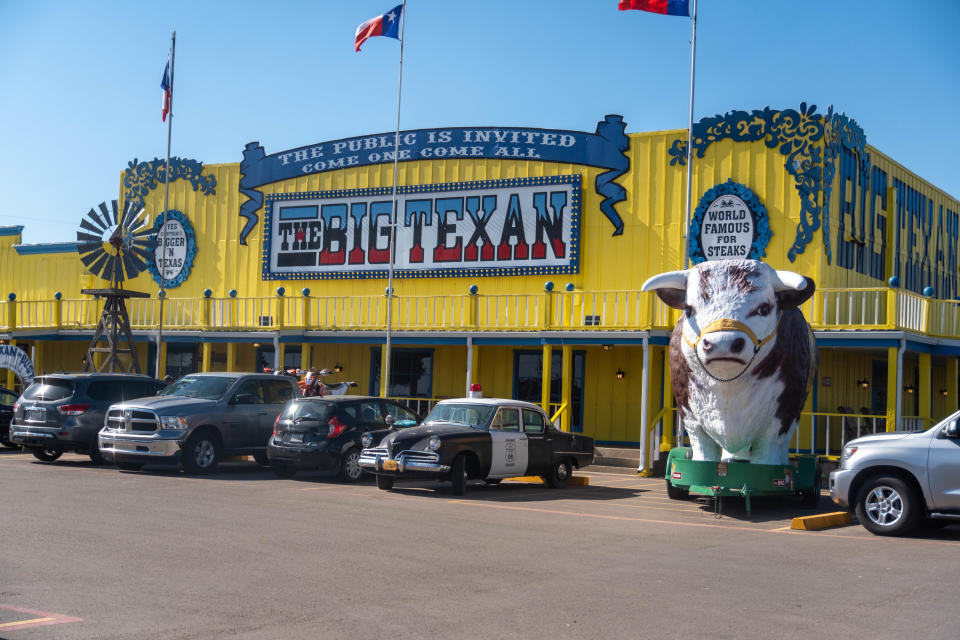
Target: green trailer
point(685, 476)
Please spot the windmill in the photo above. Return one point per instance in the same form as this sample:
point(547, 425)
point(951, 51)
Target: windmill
point(114, 245)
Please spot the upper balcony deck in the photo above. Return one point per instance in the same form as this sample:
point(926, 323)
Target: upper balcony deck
point(871, 309)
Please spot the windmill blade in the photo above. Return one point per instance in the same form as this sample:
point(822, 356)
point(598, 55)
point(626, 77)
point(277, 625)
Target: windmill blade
point(113, 270)
point(132, 264)
point(92, 214)
point(87, 237)
point(97, 267)
point(106, 213)
point(90, 257)
point(143, 253)
point(87, 247)
point(84, 223)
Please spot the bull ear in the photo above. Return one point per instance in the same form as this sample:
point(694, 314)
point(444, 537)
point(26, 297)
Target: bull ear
point(792, 298)
point(671, 287)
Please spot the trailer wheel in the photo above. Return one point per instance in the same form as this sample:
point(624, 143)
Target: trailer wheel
point(676, 493)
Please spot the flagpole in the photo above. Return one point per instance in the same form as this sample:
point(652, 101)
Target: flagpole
point(166, 200)
point(385, 380)
point(693, 66)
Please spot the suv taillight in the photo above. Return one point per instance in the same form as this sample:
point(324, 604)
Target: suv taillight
point(16, 405)
point(335, 428)
point(275, 423)
point(72, 409)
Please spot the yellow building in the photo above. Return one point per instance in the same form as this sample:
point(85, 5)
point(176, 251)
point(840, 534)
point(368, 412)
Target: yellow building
point(519, 257)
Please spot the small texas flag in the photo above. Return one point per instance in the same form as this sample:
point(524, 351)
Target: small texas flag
point(386, 25)
point(167, 90)
point(666, 7)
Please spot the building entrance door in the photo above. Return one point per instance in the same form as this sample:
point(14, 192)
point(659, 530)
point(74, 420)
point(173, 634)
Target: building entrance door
point(528, 381)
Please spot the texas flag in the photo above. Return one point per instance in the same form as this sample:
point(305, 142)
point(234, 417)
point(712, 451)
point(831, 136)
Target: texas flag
point(386, 25)
point(666, 7)
point(167, 90)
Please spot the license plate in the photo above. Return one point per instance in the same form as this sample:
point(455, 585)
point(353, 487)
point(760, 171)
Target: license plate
point(36, 415)
point(389, 465)
point(296, 437)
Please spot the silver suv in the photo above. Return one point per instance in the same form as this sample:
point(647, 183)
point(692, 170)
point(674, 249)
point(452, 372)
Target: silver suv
point(196, 421)
point(894, 481)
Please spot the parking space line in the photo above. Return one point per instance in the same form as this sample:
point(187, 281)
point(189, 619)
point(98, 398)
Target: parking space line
point(44, 618)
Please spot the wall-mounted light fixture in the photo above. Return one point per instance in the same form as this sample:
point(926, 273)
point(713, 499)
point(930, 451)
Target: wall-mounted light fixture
point(256, 345)
point(337, 368)
point(863, 383)
point(607, 347)
point(908, 389)
point(943, 392)
point(620, 374)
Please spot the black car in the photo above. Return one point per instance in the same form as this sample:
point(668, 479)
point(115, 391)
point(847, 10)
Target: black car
point(7, 400)
point(484, 438)
point(64, 411)
point(324, 433)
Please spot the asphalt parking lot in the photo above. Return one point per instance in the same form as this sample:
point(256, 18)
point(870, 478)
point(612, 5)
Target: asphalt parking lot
point(92, 552)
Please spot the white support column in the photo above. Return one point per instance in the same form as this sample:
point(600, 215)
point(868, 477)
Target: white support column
point(644, 393)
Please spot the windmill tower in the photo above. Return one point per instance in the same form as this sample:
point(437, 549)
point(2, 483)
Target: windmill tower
point(114, 245)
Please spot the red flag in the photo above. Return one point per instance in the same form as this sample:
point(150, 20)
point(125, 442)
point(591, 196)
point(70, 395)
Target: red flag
point(664, 7)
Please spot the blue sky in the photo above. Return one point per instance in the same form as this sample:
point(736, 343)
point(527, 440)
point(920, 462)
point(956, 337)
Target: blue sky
point(80, 96)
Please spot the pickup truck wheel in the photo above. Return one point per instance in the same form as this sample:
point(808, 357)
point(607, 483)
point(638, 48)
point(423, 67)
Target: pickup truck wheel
point(385, 482)
point(261, 458)
point(676, 493)
point(95, 456)
point(887, 506)
point(559, 476)
point(458, 475)
point(46, 454)
point(350, 470)
point(201, 454)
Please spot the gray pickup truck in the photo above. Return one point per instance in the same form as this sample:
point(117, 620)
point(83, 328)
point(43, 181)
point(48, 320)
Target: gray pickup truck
point(894, 481)
point(196, 421)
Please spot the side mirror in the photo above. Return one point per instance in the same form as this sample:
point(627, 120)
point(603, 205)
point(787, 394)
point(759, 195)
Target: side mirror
point(242, 398)
point(952, 429)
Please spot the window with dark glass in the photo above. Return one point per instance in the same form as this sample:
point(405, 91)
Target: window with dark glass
point(411, 373)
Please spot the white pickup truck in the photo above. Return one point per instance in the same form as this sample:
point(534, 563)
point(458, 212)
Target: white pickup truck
point(895, 481)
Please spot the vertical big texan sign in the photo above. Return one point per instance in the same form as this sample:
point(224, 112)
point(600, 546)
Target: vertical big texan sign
point(522, 226)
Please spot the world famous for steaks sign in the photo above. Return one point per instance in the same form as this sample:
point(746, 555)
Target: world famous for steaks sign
point(519, 226)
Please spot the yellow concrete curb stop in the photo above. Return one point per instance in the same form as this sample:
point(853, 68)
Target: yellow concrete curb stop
point(822, 521)
point(575, 481)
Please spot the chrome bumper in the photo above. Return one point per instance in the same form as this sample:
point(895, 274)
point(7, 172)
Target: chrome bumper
point(373, 460)
point(18, 435)
point(150, 446)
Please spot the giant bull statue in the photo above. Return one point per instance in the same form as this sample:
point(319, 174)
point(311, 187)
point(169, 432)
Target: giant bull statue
point(742, 357)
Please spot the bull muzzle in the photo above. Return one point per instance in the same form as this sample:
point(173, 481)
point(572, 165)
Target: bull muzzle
point(723, 348)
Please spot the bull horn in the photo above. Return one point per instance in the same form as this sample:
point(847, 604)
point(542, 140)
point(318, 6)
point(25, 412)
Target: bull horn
point(785, 280)
point(668, 280)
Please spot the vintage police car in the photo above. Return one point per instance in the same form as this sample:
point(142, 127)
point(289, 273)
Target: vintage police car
point(486, 438)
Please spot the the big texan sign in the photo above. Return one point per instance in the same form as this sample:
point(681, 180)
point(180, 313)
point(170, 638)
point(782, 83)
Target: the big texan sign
point(521, 226)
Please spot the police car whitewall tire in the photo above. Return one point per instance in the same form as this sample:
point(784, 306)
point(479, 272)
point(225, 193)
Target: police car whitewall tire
point(458, 474)
point(46, 455)
point(559, 477)
point(384, 482)
point(888, 506)
point(201, 454)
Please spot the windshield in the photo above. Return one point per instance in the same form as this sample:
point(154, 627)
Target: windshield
point(206, 387)
point(474, 415)
point(48, 389)
point(309, 410)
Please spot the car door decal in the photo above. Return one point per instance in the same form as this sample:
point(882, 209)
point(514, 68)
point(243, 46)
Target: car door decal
point(509, 454)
